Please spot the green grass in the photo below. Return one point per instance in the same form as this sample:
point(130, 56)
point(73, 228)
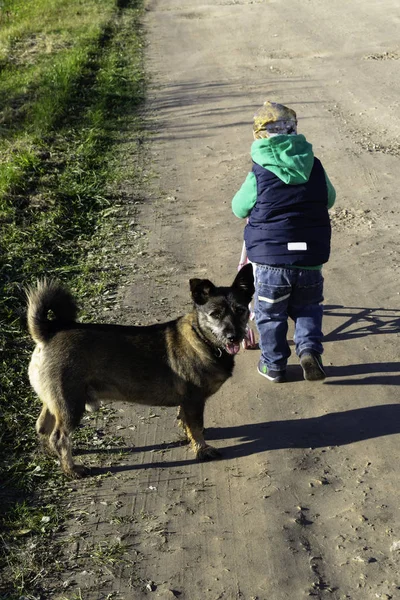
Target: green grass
point(45, 48)
point(108, 552)
point(72, 81)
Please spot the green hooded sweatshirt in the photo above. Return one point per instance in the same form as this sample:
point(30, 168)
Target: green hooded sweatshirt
point(289, 157)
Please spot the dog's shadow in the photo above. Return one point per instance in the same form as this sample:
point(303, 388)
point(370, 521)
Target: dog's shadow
point(333, 429)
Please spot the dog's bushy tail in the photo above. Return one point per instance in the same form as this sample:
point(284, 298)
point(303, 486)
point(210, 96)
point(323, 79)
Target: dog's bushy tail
point(49, 296)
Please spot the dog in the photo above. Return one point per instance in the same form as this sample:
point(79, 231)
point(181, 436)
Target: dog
point(178, 363)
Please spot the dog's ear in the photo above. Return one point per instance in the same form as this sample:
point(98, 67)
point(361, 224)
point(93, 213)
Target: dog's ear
point(201, 290)
point(244, 280)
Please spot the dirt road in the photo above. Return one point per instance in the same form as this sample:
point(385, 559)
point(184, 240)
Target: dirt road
point(305, 501)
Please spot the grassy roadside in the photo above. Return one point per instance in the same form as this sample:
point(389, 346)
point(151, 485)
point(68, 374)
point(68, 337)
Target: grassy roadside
point(72, 82)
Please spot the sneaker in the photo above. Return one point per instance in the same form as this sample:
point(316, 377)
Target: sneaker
point(274, 376)
point(312, 366)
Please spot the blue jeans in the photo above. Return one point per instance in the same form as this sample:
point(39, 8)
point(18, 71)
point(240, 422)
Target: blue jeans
point(282, 293)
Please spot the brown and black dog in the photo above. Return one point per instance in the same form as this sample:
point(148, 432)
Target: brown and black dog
point(179, 363)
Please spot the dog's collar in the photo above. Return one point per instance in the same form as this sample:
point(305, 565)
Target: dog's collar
point(216, 350)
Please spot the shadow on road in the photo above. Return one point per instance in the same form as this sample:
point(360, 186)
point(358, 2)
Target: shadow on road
point(376, 374)
point(359, 322)
point(333, 429)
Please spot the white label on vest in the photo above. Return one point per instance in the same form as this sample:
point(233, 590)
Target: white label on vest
point(297, 246)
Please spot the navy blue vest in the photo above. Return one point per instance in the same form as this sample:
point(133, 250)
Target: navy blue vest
point(289, 224)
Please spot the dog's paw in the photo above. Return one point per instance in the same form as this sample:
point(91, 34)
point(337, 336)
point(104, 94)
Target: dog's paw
point(208, 453)
point(77, 472)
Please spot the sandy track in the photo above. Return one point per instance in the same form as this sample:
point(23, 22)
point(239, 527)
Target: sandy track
point(305, 500)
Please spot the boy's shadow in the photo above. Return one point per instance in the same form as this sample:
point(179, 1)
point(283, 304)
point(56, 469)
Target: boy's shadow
point(356, 322)
point(375, 374)
point(360, 322)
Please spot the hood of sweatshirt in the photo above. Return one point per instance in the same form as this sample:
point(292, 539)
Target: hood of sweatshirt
point(289, 157)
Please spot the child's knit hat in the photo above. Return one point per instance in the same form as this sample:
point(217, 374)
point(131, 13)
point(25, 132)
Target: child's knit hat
point(274, 119)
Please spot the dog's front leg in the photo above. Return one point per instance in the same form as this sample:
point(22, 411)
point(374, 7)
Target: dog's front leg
point(191, 415)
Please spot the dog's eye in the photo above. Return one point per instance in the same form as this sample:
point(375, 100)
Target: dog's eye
point(216, 314)
point(240, 310)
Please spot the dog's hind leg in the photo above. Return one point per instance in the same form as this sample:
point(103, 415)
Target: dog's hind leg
point(192, 420)
point(46, 421)
point(44, 427)
point(92, 400)
point(92, 405)
point(60, 442)
point(67, 417)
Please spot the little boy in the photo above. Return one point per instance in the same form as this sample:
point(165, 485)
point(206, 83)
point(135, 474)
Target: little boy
point(286, 199)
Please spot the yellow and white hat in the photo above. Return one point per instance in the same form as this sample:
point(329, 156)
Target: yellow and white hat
point(275, 119)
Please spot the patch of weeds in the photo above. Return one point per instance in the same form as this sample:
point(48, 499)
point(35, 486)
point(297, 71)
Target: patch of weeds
point(25, 519)
point(27, 556)
point(75, 596)
point(89, 436)
point(123, 520)
point(108, 553)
